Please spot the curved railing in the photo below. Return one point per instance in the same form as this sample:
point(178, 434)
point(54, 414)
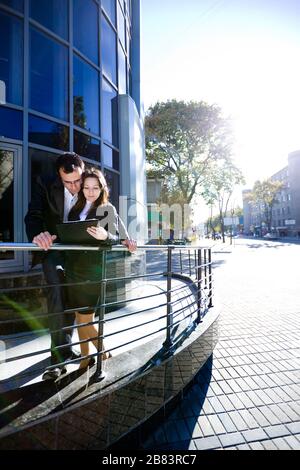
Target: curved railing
point(190, 264)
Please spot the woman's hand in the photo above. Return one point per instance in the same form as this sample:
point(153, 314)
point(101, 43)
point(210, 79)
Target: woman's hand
point(97, 232)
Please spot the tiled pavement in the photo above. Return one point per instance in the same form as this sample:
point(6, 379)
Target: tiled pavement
point(248, 395)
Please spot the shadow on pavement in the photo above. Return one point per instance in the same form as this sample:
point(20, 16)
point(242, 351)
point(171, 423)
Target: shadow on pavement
point(266, 245)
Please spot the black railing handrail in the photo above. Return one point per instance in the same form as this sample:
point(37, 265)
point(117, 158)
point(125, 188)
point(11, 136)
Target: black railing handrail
point(201, 300)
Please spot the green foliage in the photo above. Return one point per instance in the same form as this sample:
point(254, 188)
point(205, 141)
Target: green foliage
point(183, 140)
point(264, 195)
point(219, 186)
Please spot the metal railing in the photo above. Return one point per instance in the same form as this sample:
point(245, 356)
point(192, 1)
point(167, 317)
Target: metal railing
point(190, 264)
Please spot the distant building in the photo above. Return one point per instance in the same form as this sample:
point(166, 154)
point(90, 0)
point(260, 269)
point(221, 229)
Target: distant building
point(286, 212)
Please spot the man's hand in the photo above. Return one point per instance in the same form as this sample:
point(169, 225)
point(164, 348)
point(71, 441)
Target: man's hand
point(97, 232)
point(44, 240)
point(131, 244)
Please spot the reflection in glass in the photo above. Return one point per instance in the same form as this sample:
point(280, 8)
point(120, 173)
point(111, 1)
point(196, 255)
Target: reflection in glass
point(121, 26)
point(86, 146)
point(128, 45)
point(110, 113)
point(110, 157)
point(113, 186)
point(110, 9)
point(53, 14)
point(42, 165)
point(48, 75)
point(85, 28)
point(122, 71)
point(48, 133)
point(108, 50)
point(86, 96)
point(16, 4)
point(11, 57)
point(6, 200)
point(11, 123)
point(130, 82)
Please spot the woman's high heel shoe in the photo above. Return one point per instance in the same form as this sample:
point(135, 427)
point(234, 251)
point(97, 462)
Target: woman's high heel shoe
point(106, 356)
point(91, 361)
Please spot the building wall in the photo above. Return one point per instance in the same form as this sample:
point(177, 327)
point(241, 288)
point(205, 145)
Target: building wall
point(294, 180)
point(286, 212)
point(64, 64)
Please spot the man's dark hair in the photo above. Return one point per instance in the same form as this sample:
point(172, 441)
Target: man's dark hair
point(69, 162)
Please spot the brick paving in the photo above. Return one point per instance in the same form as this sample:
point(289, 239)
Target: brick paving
point(248, 395)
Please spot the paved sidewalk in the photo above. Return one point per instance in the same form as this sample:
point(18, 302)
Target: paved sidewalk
point(248, 396)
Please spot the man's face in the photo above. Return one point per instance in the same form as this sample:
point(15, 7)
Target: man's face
point(71, 181)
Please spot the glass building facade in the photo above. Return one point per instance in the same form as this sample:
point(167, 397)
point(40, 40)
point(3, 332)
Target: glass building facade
point(64, 64)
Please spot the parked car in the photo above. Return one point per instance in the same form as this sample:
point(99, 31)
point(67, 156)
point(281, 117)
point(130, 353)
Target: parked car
point(270, 236)
point(176, 241)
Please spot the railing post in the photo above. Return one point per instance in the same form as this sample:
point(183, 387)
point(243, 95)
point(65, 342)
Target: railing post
point(210, 304)
point(199, 281)
point(99, 375)
point(205, 267)
point(180, 257)
point(190, 269)
point(168, 342)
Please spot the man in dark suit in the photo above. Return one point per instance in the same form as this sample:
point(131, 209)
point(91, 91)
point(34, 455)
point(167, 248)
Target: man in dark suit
point(50, 205)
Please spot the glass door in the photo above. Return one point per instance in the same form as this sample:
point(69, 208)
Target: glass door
point(10, 204)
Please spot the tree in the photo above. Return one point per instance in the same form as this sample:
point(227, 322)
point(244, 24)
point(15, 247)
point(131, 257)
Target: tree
point(219, 186)
point(182, 141)
point(264, 195)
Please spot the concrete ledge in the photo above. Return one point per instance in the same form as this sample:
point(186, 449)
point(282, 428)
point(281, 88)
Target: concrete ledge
point(77, 413)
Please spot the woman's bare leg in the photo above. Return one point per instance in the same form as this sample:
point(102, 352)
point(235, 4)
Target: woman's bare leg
point(83, 334)
point(93, 333)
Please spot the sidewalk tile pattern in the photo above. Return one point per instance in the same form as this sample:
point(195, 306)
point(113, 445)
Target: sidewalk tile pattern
point(248, 395)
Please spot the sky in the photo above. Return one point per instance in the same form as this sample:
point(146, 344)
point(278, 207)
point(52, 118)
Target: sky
point(243, 55)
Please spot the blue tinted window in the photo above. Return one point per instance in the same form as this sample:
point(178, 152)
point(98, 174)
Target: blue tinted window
point(6, 200)
point(86, 146)
point(53, 14)
point(86, 96)
point(121, 26)
point(48, 76)
point(11, 123)
point(11, 57)
point(110, 114)
point(110, 157)
point(85, 28)
point(130, 82)
point(122, 71)
point(113, 186)
point(16, 4)
point(110, 9)
point(42, 165)
point(48, 133)
point(108, 51)
point(128, 44)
